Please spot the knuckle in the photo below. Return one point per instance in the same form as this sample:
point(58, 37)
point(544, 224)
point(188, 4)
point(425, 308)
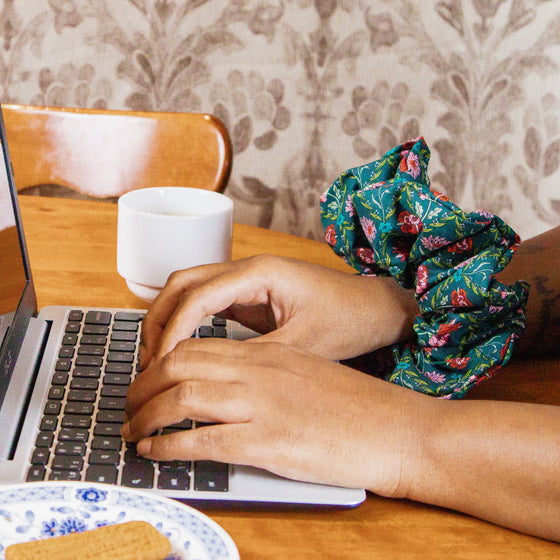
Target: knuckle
point(167, 367)
point(193, 300)
point(185, 393)
point(182, 346)
point(263, 262)
point(207, 440)
point(175, 278)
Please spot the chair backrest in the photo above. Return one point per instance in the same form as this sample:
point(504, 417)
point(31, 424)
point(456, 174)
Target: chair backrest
point(105, 153)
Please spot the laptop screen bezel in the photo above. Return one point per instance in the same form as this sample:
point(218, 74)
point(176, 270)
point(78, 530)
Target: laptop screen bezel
point(27, 306)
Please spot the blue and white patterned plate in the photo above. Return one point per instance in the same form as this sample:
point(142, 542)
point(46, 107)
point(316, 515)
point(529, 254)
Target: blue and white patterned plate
point(38, 510)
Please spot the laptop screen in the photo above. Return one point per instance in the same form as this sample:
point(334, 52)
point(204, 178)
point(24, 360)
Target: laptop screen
point(17, 297)
point(12, 278)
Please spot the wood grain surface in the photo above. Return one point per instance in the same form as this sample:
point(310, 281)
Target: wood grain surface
point(72, 246)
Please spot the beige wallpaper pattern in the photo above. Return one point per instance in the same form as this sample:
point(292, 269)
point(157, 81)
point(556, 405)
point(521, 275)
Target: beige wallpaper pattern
point(310, 88)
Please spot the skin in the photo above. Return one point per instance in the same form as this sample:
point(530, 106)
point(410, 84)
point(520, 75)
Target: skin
point(273, 397)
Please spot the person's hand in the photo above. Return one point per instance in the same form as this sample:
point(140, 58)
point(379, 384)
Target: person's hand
point(329, 313)
point(281, 409)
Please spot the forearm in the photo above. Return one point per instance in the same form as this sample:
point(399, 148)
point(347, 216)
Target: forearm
point(499, 461)
point(538, 262)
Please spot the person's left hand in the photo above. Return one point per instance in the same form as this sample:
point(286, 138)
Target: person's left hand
point(277, 408)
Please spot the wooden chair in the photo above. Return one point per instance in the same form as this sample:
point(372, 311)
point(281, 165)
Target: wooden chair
point(103, 154)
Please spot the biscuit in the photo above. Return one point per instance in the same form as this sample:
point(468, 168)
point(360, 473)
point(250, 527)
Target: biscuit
point(133, 540)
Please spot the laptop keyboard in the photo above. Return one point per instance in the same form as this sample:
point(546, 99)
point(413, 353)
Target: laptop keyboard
point(79, 435)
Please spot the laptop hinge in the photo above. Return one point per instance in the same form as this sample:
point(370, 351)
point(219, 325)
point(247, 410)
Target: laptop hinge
point(21, 385)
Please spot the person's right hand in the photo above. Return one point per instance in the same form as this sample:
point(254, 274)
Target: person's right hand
point(326, 312)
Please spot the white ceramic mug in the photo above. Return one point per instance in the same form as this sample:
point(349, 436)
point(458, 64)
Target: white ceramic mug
point(163, 229)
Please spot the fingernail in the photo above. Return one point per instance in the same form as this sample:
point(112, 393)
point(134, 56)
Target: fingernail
point(125, 431)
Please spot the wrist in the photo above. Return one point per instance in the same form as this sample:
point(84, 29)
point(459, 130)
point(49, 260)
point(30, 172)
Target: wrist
point(402, 440)
point(392, 314)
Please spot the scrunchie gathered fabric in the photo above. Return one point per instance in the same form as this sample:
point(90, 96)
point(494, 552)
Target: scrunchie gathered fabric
point(383, 219)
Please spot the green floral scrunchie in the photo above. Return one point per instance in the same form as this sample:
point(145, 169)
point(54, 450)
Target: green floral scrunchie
point(383, 219)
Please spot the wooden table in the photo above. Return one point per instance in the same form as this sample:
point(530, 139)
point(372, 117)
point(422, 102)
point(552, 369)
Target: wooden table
point(72, 247)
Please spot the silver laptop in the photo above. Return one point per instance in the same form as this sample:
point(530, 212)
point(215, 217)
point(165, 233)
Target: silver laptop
point(64, 373)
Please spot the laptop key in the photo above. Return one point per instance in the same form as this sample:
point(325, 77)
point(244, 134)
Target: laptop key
point(91, 350)
point(127, 357)
point(125, 326)
point(115, 416)
point(72, 327)
point(107, 429)
point(96, 339)
point(101, 457)
point(130, 336)
point(89, 383)
point(70, 448)
point(56, 392)
point(131, 455)
point(59, 378)
point(96, 329)
point(52, 407)
point(129, 316)
point(114, 391)
point(173, 480)
point(205, 331)
point(40, 456)
point(77, 407)
point(75, 315)
point(210, 476)
point(66, 352)
point(102, 473)
point(63, 364)
point(116, 379)
point(73, 434)
point(69, 340)
point(138, 474)
point(82, 395)
point(118, 367)
point(67, 463)
point(48, 423)
point(219, 322)
point(114, 403)
point(95, 361)
point(60, 474)
point(36, 473)
point(102, 442)
point(122, 346)
point(76, 421)
point(44, 439)
point(87, 371)
point(174, 466)
point(98, 318)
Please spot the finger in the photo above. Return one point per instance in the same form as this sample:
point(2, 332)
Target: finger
point(205, 401)
point(203, 359)
point(242, 286)
point(225, 443)
point(165, 303)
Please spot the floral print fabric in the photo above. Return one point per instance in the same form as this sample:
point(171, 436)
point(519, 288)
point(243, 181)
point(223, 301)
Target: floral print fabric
point(383, 219)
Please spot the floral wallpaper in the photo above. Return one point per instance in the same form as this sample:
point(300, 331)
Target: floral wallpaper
point(309, 88)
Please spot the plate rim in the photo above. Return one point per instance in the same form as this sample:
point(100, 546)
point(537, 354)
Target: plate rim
point(233, 552)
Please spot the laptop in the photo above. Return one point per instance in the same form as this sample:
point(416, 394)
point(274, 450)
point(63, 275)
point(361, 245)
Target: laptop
point(64, 373)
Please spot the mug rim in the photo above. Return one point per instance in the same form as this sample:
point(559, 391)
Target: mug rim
point(142, 193)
